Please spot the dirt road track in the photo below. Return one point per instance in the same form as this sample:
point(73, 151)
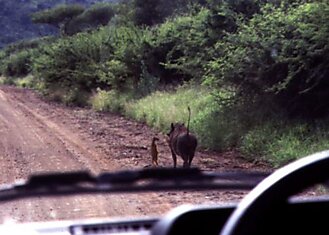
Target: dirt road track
point(38, 136)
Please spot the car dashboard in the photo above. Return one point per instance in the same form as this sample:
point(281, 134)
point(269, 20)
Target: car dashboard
point(209, 220)
point(271, 207)
point(298, 217)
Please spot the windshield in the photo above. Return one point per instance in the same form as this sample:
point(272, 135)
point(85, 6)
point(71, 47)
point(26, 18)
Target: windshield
point(108, 86)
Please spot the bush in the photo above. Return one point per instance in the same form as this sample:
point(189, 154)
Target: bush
point(109, 58)
point(280, 142)
point(147, 82)
point(17, 65)
point(97, 15)
point(7, 81)
point(70, 96)
point(16, 58)
point(180, 48)
point(27, 44)
point(75, 96)
point(219, 129)
point(71, 62)
point(110, 101)
point(58, 16)
point(26, 82)
point(127, 44)
point(280, 56)
point(152, 12)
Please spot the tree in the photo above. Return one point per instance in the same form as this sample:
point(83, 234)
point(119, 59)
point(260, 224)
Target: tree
point(146, 12)
point(97, 15)
point(278, 59)
point(59, 16)
point(151, 12)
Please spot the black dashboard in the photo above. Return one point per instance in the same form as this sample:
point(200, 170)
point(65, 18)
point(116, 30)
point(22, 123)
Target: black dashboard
point(297, 217)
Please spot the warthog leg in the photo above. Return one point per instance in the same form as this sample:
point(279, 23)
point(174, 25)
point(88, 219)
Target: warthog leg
point(174, 158)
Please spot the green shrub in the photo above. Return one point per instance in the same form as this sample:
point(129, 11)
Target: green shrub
point(7, 81)
point(58, 16)
point(109, 101)
point(115, 74)
point(71, 62)
point(70, 96)
point(97, 15)
point(180, 48)
point(127, 45)
point(152, 12)
point(147, 82)
point(219, 129)
point(109, 58)
point(282, 142)
point(279, 55)
point(17, 65)
point(27, 44)
point(26, 82)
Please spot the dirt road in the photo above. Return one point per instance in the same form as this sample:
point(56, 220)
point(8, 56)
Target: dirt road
point(38, 136)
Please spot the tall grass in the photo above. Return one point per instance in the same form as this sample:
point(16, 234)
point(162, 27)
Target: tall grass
point(280, 142)
point(112, 101)
point(160, 109)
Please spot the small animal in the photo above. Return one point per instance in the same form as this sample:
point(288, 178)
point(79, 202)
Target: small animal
point(154, 151)
point(182, 142)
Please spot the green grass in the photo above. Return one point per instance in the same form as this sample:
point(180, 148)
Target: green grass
point(109, 101)
point(26, 82)
point(160, 109)
point(7, 81)
point(280, 143)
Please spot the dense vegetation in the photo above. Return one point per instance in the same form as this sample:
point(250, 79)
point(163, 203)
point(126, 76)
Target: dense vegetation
point(254, 72)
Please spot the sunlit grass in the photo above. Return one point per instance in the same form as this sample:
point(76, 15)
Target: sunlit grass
point(160, 109)
point(26, 82)
point(109, 101)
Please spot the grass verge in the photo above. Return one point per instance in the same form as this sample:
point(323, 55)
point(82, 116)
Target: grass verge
point(277, 142)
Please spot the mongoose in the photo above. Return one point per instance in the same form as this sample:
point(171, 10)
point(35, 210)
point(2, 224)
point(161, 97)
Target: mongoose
point(154, 152)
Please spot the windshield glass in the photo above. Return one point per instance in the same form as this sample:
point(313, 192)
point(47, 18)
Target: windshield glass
point(107, 86)
point(43, 137)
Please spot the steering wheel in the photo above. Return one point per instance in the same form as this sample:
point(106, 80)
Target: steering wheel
point(274, 191)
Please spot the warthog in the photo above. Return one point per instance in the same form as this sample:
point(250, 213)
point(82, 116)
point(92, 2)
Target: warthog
point(182, 142)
